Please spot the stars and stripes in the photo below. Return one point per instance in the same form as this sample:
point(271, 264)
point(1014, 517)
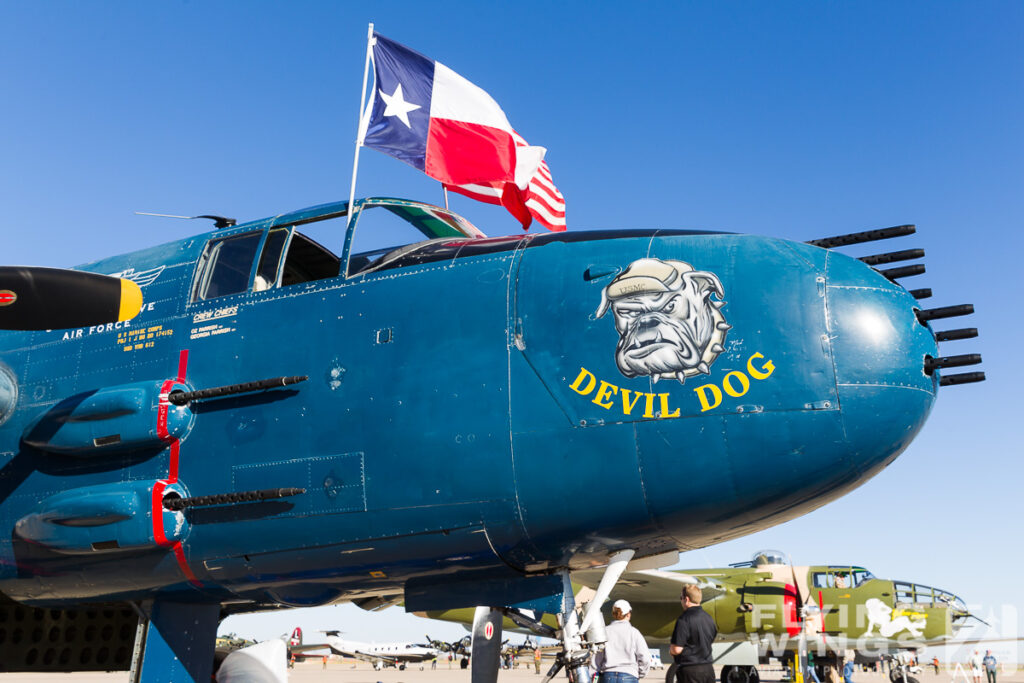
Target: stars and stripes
point(541, 201)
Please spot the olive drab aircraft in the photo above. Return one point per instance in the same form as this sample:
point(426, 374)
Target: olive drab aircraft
point(769, 608)
point(283, 425)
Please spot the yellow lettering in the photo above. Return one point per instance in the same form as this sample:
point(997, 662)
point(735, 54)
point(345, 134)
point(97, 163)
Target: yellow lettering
point(701, 392)
point(649, 406)
point(744, 382)
point(764, 372)
point(584, 373)
point(604, 394)
point(627, 407)
point(664, 407)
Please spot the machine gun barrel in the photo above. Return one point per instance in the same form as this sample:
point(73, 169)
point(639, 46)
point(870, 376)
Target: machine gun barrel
point(180, 398)
point(931, 364)
point(230, 498)
point(923, 293)
point(961, 378)
point(945, 312)
point(952, 335)
point(893, 256)
point(894, 274)
point(861, 237)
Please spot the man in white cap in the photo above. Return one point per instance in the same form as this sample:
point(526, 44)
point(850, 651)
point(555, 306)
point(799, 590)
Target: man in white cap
point(625, 658)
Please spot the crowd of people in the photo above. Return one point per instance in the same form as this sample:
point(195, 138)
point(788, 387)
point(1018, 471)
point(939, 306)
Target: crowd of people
point(626, 657)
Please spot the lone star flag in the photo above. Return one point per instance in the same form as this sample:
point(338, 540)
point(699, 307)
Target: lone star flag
point(435, 120)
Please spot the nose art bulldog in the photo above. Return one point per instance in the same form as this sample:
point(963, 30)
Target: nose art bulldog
point(669, 326)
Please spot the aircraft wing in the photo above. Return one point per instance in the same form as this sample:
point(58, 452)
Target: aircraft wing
point(373, 657)
point(651, 585)
point(370, 657)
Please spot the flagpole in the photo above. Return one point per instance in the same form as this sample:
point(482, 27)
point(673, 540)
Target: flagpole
point(361, 132)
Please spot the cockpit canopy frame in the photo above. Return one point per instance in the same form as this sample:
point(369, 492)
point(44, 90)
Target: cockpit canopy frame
point(272, 253)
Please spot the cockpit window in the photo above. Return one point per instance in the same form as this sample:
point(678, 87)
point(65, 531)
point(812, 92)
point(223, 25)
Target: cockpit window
point(925, 596)
point(270, 261)
point(307, 261)
point(290, 257)
point(225, 266)
point(841, 577)
point(303, 261)
point(861, 575)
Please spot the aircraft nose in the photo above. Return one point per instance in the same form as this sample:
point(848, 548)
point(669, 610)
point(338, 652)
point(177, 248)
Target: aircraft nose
point(777, 376)
point(879, 348)
point(821, 383)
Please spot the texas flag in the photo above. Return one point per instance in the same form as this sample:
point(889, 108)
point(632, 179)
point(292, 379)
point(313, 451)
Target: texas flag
point(435, 120)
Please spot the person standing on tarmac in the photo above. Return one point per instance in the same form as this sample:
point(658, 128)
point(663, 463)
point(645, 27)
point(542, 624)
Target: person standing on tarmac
point(692, 638)
point(812, 672)
point(990, 666)
point(626, 657)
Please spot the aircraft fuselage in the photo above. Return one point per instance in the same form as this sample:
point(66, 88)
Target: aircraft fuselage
point(510, 406)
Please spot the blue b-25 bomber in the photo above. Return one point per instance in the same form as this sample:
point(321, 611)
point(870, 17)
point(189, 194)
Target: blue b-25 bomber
point(454, 422)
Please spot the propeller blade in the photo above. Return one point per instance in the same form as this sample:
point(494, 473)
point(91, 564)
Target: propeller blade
point(799, 596)
point(486, 645)
point(53, 299)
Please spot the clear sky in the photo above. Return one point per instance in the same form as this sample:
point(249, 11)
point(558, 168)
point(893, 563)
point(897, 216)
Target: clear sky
point(797, 120)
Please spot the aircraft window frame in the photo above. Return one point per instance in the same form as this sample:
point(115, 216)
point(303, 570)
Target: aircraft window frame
point(862, 576)
point(311, 258)
point(266, 277)
point(207, 267)
point(829, 578)
point(433, 222)
point(268, 270)
point(917, 594)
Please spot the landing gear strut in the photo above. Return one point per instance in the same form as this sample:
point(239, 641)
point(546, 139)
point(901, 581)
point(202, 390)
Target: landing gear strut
point(581, 632)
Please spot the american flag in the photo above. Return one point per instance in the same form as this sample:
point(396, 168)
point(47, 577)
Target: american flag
point(540, 201)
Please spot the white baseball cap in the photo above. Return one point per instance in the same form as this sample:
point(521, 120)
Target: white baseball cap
point(623, 606)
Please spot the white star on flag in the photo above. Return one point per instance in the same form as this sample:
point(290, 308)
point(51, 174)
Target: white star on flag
point(397, 106)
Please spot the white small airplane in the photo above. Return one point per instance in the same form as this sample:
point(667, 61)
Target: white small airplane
point(378, 654)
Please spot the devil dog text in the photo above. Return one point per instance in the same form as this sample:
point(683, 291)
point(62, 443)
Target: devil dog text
point(607, 395)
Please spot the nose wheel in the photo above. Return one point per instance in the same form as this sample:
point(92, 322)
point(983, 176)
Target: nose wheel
point(739, 674)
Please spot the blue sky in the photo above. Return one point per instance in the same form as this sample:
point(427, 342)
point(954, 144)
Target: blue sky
point(797, 120)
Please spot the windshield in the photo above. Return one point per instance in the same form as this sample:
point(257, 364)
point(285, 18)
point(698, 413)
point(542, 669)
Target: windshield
point(402, 224)
point(841, 577)
point(432, 221)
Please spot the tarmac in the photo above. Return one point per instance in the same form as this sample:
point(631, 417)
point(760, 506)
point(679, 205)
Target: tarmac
point(348, 672)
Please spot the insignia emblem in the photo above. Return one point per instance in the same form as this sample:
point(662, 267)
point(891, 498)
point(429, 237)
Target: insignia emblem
point(7, 297)
point(669, 325)
point(488, 630)
point(141, 278)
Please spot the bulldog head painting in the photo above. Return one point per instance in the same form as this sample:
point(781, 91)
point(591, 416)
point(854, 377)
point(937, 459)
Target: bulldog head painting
point(669, 326)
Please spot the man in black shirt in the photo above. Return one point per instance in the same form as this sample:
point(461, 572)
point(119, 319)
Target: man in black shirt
point(691, 641)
